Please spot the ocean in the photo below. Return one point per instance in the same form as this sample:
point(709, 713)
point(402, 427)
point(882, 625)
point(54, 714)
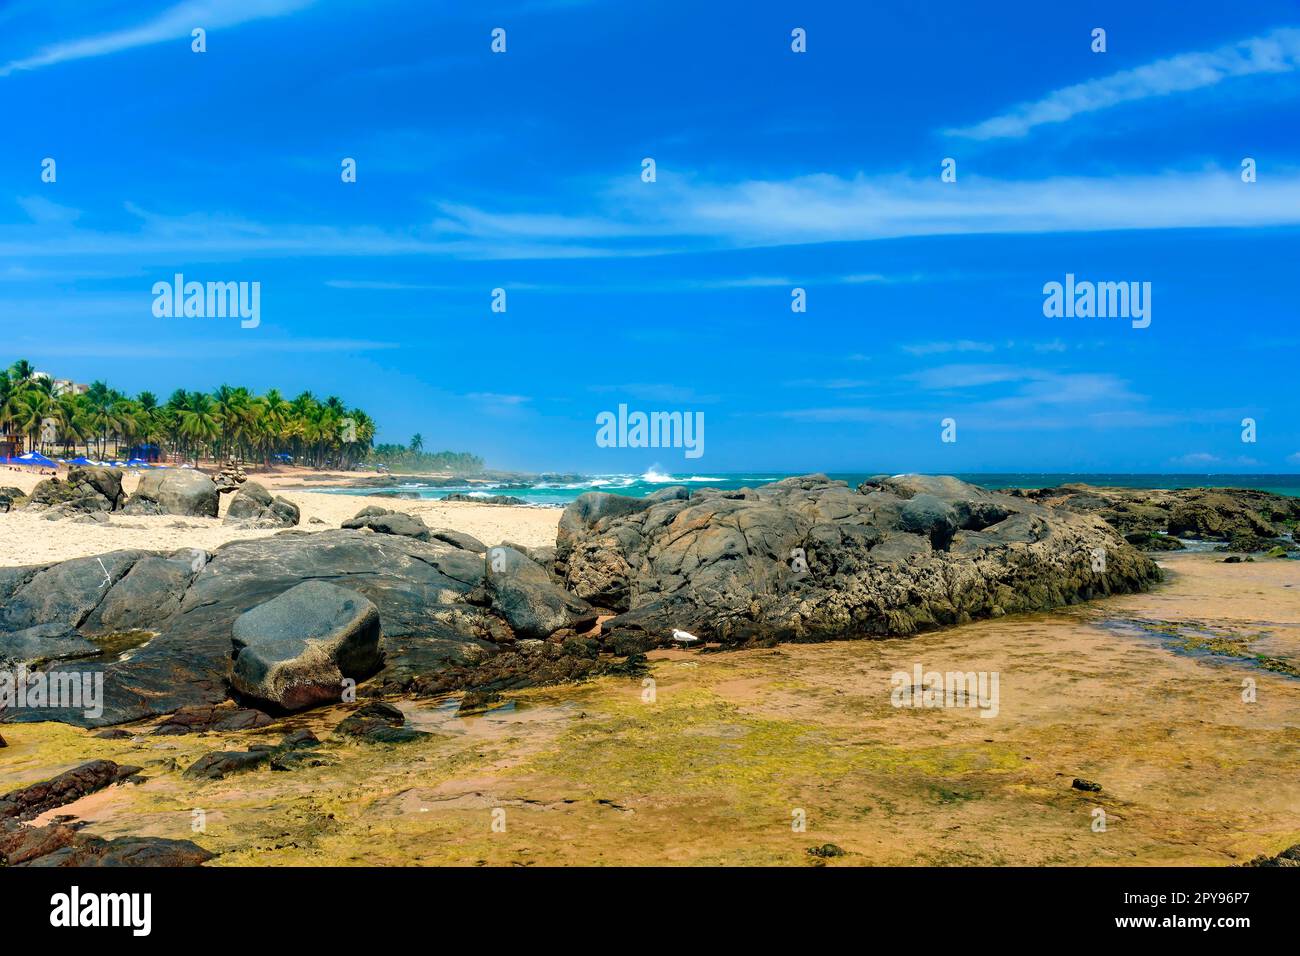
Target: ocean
point(558, 494)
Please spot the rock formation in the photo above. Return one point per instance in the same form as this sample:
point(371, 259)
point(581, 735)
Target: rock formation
point(174, 491)
point(254, 507)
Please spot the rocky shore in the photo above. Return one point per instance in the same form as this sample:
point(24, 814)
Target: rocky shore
point(802, 559)
point(386, 606)
point(1236, 519)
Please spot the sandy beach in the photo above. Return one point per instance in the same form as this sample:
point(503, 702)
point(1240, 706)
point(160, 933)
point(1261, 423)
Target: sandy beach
point(26, 537)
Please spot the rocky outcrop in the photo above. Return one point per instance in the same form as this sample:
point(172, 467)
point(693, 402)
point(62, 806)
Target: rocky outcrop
point(44, 642)
point(521, 592)
point(218, 718)
point(72, 785)
point(174, 491)
point(1245, 519)
point(254, 507)
point(59, 844)
point(383, 521)
point(810, 559)
point(803, 559)
point(65, 593)
point(295, 650)
point(87, 489)
point(484, 499)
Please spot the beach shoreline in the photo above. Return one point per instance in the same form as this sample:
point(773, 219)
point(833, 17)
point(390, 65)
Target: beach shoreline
point(27, 538)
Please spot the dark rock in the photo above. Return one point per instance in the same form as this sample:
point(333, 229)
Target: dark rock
point(87, 489)
point(175, 491)
point(114, 734)
point(66, 593)
point(531, 603)
point(417, 587)
point(32, 801)
point(44, 642)
point(1150, 541)
point(484, 499)
point(458, 539)
point(126, 851)
point(299, 739)
point(1216, 515)
point(378, 723)
point(148, 595)
point(392, 522)
point(1245, 515)
point(254, 507)
point(223, 717)
point(11, 498)
point(809, 558)
point(1087, 785)
point(1288, 857)
point(826, 851)
point(477, 701)
point(222, 763)
point(297, 759)
point(296, 649)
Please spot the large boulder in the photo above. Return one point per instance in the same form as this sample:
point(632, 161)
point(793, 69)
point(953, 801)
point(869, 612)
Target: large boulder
point(175, 491)
point(254, 507)
point(809, 558)
point(295, 650)
point(418, 587)
point(87, 489)
point(534, 606)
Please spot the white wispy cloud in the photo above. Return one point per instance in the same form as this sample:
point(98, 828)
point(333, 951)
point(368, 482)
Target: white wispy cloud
point(1275, 52)
point(691, 216)
point(171, 24)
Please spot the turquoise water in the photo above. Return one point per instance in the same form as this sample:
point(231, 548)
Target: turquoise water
point(557, 494)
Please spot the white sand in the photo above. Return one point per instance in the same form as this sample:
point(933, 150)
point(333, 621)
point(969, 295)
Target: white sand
point(26, 537)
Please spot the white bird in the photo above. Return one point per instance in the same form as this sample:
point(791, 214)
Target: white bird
point(684, 637)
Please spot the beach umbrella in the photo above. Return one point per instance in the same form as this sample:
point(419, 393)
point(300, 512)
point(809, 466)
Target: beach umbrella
point(81, 460)
point(137, 463)
point(35, 458)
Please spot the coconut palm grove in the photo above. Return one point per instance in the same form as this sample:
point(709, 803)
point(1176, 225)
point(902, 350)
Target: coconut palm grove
point(43, 414)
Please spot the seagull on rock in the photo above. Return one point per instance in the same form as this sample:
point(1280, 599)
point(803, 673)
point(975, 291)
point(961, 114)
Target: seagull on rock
point(684, 638)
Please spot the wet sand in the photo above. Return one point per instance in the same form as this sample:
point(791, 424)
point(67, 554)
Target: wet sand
point(714, 768)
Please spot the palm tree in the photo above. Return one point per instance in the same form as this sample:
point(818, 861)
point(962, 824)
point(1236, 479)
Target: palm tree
point(229, 421)
point(417, 443)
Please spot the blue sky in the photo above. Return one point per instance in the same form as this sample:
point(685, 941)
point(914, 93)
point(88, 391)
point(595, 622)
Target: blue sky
point(775, 170)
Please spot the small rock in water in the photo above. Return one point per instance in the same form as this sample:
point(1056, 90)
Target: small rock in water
point(1088, 785)
point(378, 722)
point(477, 701)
